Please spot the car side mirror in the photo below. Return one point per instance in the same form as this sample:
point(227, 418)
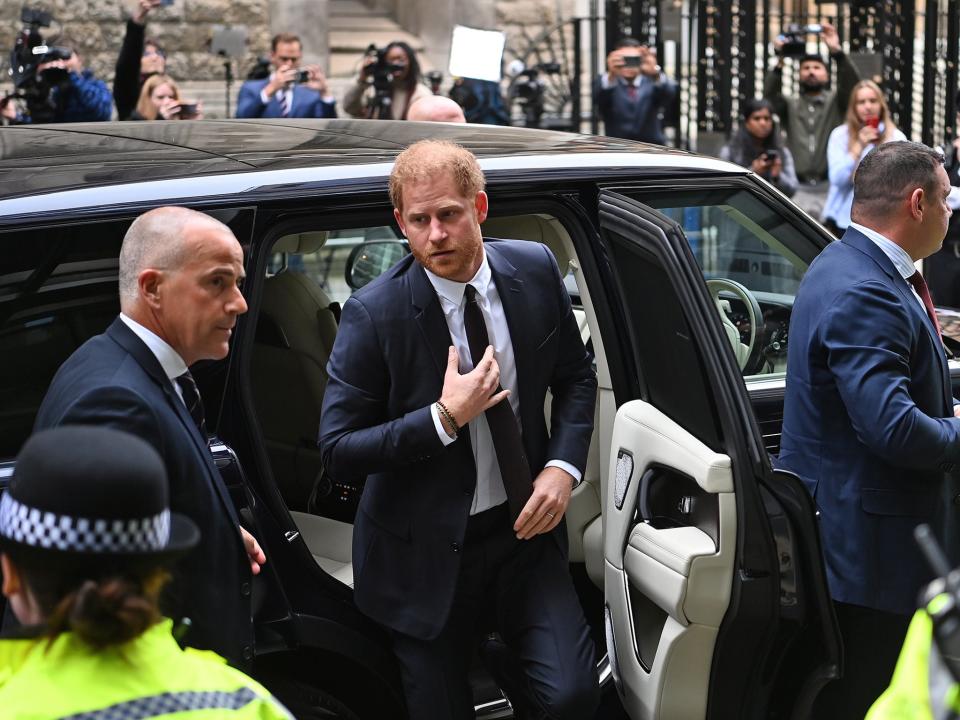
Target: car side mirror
point(369, 260)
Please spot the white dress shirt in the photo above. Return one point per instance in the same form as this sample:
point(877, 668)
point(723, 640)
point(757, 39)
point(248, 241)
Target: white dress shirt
point(898, 256)
point(171, 362)
point(489, 491)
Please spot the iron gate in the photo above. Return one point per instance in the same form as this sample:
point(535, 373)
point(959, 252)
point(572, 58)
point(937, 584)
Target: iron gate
point(722, 48)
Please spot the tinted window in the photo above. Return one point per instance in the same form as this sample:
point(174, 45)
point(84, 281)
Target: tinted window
point(58, 288)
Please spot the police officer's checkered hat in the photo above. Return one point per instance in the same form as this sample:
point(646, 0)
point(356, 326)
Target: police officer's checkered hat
point(92, 491)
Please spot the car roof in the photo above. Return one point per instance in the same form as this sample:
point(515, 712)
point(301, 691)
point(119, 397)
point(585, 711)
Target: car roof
point(44, 159)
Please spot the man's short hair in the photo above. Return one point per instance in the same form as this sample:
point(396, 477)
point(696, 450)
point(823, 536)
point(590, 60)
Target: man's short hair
point(284, 38)
point(156, 240)
point(813, 57)
point(152, 42)
point(429, 158)
point(627, 42)
point(889, 173)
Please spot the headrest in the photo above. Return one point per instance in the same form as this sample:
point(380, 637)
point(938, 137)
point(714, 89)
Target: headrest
point(301, 243)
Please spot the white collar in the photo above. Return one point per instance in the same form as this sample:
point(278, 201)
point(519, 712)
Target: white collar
point(452, 291)
point(171, 362)
point(898, 256)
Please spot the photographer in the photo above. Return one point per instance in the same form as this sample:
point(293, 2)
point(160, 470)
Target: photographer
point(634, 93)
point(388, 84)
point(289, 91)
point(76, 95)
point(50, 79)
point(160, 100)
point(139, 58)
point(809, 118)
point(756, 145)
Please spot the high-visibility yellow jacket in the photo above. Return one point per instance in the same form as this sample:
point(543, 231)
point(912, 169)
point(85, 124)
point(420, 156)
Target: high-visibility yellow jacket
point(922, 687)
point(150, 676)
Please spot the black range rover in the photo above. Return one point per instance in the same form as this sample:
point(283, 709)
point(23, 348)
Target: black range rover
point(697, 563)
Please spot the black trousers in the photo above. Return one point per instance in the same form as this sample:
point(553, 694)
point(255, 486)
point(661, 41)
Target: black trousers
point(525, 587)
point(871, 645)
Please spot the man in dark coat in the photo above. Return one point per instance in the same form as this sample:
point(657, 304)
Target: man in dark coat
point(437, 385)
point(179, 300)
point(868, 421)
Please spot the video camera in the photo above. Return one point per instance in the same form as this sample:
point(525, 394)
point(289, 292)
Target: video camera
point(29, 52)
point(794, 39)
point(527, 88)
point(382, 73)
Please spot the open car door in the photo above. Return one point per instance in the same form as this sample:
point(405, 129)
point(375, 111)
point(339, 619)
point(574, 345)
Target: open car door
point(716, 598)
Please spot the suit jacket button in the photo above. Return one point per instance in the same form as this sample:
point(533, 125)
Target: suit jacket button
point(455, 546)
point(247, 652)
point(956, 499)
point(245, 589)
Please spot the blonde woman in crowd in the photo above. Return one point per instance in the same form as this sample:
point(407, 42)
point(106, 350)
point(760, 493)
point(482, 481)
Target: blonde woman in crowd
point(868, 123)
point(160, 100)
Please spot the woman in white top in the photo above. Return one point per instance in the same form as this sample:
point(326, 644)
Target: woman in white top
point(868, 123)
point(402, 71)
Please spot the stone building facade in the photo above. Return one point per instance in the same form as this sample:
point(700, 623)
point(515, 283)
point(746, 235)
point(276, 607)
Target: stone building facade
point(95, 29)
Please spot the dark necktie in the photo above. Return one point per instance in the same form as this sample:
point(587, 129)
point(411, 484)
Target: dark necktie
point(286, 100)
point(920, 285)
point(632, 92)
point(191, 398)
point(514, 468)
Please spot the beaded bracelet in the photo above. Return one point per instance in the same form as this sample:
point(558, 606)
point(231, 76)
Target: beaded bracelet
point(448, 416)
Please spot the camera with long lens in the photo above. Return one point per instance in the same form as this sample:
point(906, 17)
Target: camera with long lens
point(528, 90)
point(794, 39)
point(381, 74)
point(30, 51)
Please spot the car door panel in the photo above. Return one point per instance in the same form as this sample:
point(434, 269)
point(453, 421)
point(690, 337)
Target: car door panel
point(671, 579)
point(700, 556)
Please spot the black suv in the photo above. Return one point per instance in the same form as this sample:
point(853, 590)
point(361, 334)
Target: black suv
point(697, 563)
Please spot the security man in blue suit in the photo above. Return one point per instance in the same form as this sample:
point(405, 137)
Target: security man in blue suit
point(868, 416)
point(437, 385)
point(283, 94)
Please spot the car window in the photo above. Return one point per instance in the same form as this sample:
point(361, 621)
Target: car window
point(325, 261)
point(737, 237)
point(58, 287)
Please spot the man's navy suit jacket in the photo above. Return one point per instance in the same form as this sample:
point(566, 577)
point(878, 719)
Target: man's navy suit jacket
point(386, 370)
point(868, 421)
point(307, 103)
point(635, 119)
point(115, 380)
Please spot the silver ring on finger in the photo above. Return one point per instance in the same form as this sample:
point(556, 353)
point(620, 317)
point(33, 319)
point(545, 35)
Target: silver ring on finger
point(551, 515)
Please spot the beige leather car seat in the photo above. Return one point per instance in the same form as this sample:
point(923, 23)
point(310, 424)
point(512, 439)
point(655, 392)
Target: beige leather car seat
point(295, 333)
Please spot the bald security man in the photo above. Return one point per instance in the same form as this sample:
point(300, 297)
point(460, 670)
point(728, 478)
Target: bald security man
point(180, 274)
point(436, 108)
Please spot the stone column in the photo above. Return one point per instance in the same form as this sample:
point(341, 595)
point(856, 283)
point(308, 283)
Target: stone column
point(308, 19)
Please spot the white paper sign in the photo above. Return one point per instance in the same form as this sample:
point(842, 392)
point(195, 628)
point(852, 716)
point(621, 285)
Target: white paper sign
point(476, 53)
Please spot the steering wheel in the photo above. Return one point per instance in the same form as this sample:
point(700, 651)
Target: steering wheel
point(749, 355)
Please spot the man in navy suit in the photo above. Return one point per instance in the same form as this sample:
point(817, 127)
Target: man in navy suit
point(634, 93)
point(179, 300)
point(437, 385)
point(868, 415)
point(283, 94)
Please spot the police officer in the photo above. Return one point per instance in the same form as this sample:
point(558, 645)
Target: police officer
point(86, 534)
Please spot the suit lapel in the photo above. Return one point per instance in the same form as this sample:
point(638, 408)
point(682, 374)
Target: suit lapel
point(429, 317)
point(857, 239)
point(128, 340)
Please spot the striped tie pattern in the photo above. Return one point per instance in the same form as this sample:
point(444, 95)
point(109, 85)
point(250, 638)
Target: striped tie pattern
point(191, 398)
